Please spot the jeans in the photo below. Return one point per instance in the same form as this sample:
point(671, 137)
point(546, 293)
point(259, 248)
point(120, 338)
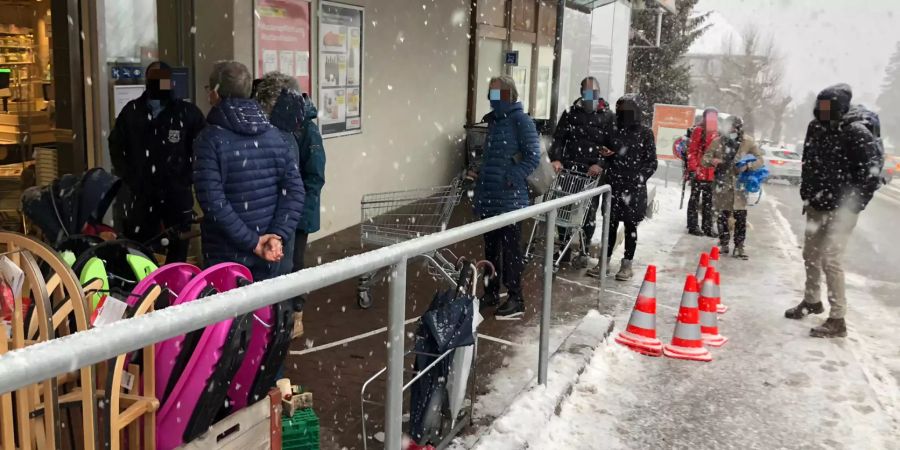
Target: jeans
point(740, 227)
point(827, 234)
point(700, 201)
point(502, 247)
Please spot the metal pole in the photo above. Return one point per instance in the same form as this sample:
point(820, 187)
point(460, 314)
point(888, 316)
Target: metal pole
point(667, 174)
point(544, 352)
point(557, 61)
point(393, 405)
point(604, 246)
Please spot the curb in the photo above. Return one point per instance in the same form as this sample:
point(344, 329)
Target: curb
point(566, 365)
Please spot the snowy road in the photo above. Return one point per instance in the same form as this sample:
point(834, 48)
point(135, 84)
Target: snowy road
point(770, 386)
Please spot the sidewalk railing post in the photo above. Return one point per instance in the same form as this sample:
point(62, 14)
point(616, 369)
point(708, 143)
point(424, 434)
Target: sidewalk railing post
point(393, 405)
point(606, 197)
point(546, 310)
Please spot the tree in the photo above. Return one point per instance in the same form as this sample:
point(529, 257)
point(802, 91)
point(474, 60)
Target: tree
point(659, 73)
point(749, 84)
point(889, 100)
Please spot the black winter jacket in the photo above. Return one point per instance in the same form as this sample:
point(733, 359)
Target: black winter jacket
point(632, 163)
point(155, 153)
point(579, 136)
point(842, 160)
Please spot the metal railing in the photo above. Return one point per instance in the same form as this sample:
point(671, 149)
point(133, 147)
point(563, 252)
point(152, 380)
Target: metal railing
point(48, 359)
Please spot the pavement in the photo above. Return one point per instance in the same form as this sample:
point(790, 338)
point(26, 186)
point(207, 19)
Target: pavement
point(770, 386)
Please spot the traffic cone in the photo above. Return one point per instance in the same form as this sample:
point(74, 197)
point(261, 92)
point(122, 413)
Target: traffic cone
point(709, 319)
point(713, 258)
point(687, 343)
point(701, 267)
point(640, 335)
point(720, 307)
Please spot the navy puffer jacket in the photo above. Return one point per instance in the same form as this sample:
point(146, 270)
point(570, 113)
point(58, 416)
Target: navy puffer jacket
point(512, 150)
point(246, 179)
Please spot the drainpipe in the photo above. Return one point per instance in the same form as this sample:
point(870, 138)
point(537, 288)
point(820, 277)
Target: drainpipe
point(557, 62)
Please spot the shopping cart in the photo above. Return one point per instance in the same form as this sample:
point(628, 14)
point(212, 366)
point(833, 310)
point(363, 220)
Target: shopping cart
point(569, 219)
point(389, 218)
point(442, 396)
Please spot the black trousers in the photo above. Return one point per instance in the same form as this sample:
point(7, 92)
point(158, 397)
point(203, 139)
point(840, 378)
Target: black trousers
point(740, 227)
point(503, 248)
point(630, 236)
point(701, 201)
point(147, 216)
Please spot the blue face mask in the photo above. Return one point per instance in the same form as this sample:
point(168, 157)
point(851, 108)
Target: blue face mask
point(495, 99)
point(590, 100)
point(156, 106)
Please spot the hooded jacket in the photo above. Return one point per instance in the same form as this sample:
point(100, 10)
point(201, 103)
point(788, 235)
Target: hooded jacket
point(580, 134)
point(295, 116)
point(842, 159)
point(247, 181)
point(512, 150)
point(632, 163)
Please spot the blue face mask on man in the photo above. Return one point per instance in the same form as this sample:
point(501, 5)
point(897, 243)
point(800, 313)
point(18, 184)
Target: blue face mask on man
point(590, 100)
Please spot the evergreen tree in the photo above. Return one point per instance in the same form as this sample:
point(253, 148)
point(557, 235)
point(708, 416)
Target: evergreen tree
point(660, 74)
point(889, 101)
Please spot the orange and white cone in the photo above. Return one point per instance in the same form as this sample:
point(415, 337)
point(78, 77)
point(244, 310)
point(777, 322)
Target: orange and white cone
point(709, 319)
point(713, 258)
point(701, 267)
point(640, 335)
point(720, 307)
point(687, 343)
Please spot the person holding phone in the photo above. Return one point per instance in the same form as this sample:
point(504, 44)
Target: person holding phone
point(629, 164)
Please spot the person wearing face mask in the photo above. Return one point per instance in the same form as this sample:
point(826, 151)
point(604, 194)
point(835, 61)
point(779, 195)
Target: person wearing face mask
point(730, 201)
point(581, 134)
point(512, 152)
point(701, 178)
point(629, 164)
point(151, 149)
point(842, 164)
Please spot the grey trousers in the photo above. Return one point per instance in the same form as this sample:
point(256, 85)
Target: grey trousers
point(827, 234)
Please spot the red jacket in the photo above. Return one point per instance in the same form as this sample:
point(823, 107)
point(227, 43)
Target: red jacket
point(696, 149)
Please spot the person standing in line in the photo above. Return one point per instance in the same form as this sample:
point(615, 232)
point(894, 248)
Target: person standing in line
point(629, 165)
point(580, 136)
point(512, 152)
point(726, 152)
point(701, 177)
point(842, 163)
point(246, 178)
point(151, 148)
point(294, 115)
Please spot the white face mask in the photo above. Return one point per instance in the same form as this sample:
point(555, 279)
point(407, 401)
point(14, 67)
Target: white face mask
point(733, 136)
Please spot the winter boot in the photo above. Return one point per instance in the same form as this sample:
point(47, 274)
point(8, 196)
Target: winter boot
point(513, 309)
point(625, 272)
point(723, 249)
point(739, 253)
point(800, 311)
point(830, 329)
point(595, 271)
point(695, 232)
point(489, 299)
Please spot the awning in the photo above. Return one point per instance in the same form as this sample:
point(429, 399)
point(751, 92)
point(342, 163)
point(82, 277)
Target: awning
point(588, 5)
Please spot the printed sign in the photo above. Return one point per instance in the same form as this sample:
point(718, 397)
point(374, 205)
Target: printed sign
point(283, 39)
point(669, 123)
point(512, 58)
point(340, 69)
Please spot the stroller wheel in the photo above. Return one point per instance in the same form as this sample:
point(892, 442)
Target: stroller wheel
point(363, 299)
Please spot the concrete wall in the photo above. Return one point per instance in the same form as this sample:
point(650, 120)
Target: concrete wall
point(415, 67)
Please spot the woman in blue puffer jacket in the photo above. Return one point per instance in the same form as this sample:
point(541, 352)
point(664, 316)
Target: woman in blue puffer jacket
point(512, 151)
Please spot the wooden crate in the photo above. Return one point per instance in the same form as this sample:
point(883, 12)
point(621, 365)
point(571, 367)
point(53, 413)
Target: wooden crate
point(256, 427)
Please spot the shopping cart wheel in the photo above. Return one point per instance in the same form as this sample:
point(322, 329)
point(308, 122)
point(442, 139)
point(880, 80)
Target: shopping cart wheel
point(581, 262)
point(363, 299)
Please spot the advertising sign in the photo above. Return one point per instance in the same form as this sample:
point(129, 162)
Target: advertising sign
point(340, 69)
point(669, 123)
point(283, 39)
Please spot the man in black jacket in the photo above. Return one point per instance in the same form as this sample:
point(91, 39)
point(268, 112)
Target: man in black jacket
point(581, 134)
point(151, 148)
point(842, 162)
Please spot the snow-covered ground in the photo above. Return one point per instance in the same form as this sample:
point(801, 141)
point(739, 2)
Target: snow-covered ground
point(770, 386)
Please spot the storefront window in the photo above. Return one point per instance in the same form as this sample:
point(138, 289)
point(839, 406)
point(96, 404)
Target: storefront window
point(490, 64)
point(125, 40)
point(522, 72)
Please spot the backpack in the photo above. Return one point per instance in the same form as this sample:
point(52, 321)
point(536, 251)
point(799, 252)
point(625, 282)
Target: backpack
point(869, 119)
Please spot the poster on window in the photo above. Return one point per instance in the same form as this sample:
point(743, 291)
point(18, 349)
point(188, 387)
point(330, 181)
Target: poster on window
point(340, 47)
point(283, 39)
